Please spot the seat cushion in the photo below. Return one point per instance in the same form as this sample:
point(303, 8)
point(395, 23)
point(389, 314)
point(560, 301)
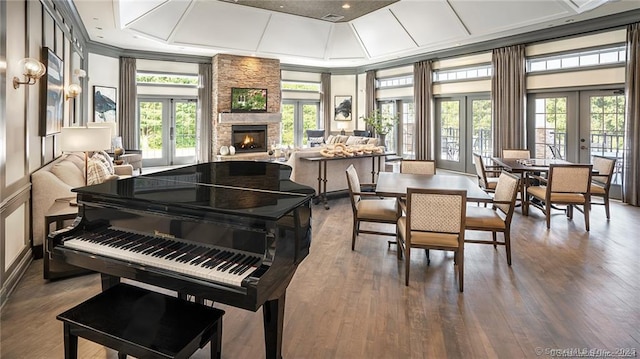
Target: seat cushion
point(597, 189)
point(541, 192)
point(492, 182)
point(69, 173)
point(380, 209)
point(427, 238)
point(481, 217)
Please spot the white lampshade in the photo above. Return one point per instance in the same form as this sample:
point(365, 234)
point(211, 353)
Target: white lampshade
point(111, 125)
point(81, 139)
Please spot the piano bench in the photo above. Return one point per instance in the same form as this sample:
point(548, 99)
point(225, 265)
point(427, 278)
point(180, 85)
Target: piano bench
point(142, 323)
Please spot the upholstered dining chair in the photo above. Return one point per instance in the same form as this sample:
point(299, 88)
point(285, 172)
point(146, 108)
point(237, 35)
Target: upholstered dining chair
point(601, 182)
point(487, 183)
point(369, 207)
point(424, 167)
point(315, 138)
point(498, 218)
point(516, 153)
point(567, 184)
point(435, 219)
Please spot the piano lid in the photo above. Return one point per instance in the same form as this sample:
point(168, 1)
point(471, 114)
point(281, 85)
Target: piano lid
point(247, 188)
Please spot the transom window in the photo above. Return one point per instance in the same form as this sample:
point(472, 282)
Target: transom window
point(463, 73)
point(150, 78)
point(399, 81)
point(300, 86)
point(599, 57)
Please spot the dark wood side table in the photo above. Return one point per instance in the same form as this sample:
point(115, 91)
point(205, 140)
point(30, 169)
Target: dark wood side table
point(59, 212)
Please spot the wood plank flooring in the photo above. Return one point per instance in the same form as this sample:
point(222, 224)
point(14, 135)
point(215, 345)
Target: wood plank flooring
point(567, 288)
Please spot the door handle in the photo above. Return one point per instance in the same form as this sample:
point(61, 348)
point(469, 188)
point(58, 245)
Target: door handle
point(583, 147)
point(171, 133)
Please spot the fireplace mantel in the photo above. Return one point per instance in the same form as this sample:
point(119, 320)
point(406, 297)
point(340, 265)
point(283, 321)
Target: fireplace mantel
point(249, 118)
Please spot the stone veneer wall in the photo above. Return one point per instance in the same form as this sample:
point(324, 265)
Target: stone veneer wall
point(240, 71)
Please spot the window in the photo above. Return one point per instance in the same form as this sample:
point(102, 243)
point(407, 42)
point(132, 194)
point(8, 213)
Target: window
point(400, 81)
point(148, 78)
point(599, 57)
point(300, 86)
point(464, 73)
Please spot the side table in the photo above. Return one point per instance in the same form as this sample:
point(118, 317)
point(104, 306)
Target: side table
point(59, 212)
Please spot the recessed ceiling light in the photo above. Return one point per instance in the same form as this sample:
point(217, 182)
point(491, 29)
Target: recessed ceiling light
point(346, 6)
point(282, 6)
point(98, 28)
point(568, 20)
point(100, 37)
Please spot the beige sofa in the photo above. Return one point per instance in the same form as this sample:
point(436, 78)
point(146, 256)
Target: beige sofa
point(306, 172)
point(55, 180)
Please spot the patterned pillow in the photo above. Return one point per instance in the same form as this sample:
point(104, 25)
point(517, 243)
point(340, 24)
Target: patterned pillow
point(316, 139)
point(332, 139)
point(105, 159)
point(97, 171)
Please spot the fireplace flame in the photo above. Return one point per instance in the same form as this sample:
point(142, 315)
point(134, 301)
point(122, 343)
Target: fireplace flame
point(247, 140)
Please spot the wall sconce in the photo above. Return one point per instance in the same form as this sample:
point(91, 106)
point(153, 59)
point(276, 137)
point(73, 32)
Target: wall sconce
point(32, 70)
point(72, 91)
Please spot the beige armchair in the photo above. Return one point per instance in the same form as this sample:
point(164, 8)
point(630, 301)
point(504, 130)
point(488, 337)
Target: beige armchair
point(435, 220)
point(368, 207)
point(425, 167)
point(498, 218)
point(516, 153)
point(601, 183)
point(567, 184)
point(486, 182)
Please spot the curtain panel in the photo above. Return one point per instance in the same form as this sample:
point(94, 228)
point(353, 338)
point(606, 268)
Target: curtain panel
point(508, 94)
point(370, 96)
point(204, 145)
point(128, 103)
point(325, 102)
point(423, 94)
point(631, 183)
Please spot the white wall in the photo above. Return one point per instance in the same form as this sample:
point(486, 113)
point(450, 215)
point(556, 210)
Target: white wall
point(103, 71)
point(343, 85)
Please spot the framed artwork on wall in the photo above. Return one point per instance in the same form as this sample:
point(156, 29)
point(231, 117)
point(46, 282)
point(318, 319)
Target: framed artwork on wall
point(343, 108)
point(51, 94)
point(105, 104)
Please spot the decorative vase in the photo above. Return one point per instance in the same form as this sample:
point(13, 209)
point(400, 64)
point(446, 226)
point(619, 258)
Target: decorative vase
point(232, 150)
point(224, 150)
point(382, 140)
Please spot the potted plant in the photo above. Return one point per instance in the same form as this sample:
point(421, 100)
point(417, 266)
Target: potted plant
point(381, 123)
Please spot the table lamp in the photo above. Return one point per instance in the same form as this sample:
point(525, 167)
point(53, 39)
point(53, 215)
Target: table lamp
point(85, 139)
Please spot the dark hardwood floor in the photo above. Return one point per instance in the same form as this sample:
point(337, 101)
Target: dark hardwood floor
point(567, 288)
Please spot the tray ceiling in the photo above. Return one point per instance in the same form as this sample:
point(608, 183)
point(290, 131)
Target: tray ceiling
point(369, 31)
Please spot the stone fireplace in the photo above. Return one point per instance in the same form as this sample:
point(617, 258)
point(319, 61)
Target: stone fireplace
point(230, 71)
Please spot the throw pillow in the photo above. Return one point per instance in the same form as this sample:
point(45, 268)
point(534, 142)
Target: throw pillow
point(97, 171)
point(332, 139)
point(69, 173)
point(316, 140)
point(105, 159)
point(352, 140)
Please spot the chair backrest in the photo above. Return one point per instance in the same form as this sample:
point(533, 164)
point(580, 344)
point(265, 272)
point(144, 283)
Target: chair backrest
point(362, 133)
point(506, 193)
point(605, 167)
point(479, 165)
point(354, 185)
point(522, 154)
point(555, 151)
point(425, 167)
point(315, 137)
point(432, 210)
point(569, 178)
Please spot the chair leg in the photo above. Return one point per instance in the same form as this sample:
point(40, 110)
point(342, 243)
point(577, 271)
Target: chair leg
point(606, 206)
point(407, 264)
point(460, 255)
point(354, 233)
point(547, 213)
point(507, 245)
point(495, 240)
point(426, 251)
point(586, 216)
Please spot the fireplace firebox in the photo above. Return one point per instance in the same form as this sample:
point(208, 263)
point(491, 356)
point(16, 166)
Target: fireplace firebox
point(249, 138)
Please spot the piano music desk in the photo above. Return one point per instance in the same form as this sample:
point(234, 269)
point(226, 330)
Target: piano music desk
point(145, 324)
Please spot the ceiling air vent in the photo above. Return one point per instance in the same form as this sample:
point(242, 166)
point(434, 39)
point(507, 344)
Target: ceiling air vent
point(332, 17)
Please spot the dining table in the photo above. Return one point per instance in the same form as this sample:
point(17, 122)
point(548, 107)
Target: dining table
point(393, 184)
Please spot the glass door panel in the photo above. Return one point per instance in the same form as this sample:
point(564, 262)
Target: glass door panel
point(550, 131)
point(151, 114)
point(184, 114)
point(310, 117)
point(297, 118)
point(481, 137)
point(407, 119)
point(449, 128)
point(286, 127)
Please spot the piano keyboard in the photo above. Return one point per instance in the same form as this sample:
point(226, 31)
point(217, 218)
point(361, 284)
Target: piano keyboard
point(221, 265)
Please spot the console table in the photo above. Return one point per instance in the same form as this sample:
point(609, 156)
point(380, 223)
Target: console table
point(376, 158)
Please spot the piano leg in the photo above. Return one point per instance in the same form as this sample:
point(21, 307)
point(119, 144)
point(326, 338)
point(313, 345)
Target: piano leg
point(273, 314)
point(108, 281)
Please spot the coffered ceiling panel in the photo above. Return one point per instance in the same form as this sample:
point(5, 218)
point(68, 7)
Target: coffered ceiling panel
point(483, 17)
point(168, 15)
point(382, 34)
point(309, 36)
point(343, 44)
point(130, 10)
point(221, 25)
point(430, 23)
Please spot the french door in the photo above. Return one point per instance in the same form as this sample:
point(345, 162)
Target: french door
point(297, 118)
point(463, 127)
point(167, 131)
point(579, 125)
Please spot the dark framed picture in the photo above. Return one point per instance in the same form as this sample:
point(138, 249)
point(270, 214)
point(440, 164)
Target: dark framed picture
point(343, 108)
point(105, 104)
point(51, 94)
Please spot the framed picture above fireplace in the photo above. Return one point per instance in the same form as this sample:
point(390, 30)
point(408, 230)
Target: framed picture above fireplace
point(248, 100)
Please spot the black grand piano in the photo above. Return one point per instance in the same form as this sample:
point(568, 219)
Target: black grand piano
point(231, 232)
